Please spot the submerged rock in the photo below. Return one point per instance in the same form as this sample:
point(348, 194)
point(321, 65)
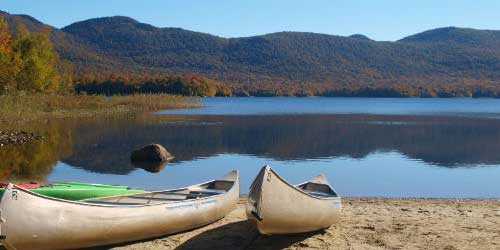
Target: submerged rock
point(151, 153)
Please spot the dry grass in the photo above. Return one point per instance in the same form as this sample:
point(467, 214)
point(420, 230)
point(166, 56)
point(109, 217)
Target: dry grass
point(23, 107)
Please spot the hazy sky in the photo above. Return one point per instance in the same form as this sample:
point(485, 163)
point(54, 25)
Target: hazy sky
point(378, 19)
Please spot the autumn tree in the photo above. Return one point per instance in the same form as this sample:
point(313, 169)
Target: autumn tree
point(65, 70)
point(7, 66)
point(5, 37)
point(38, 63)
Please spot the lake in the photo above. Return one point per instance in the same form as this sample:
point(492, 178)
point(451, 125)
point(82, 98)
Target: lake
point(365, 146)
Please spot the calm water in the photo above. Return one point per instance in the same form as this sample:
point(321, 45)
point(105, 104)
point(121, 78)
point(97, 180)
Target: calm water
point(324, 105)
point(365, 146)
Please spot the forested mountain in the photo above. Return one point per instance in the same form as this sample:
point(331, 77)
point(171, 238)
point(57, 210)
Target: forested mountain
point(483, 39)
point(441, 62)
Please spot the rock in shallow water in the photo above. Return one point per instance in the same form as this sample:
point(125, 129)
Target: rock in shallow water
point(151, 153)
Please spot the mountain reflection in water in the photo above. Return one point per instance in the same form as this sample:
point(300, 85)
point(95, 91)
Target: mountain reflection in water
point(104, 146)
point(442, 141)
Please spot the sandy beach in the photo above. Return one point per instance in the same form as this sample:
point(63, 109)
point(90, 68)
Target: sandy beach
point(367, 223)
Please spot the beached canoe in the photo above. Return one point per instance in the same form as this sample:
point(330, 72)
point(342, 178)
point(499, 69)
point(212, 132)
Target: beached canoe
point(33, 221)
point(76, 190)
point(277, 207)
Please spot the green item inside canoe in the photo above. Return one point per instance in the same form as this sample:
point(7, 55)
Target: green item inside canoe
point(78, 191)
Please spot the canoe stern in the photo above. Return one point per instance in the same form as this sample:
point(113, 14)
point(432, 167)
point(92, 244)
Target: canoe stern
point(254, 201)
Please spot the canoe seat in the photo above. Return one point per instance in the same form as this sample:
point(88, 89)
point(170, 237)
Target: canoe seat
point(319, 194)
point(155, 198)
point(207, 191)
point(220, 185)
point(113, 203)
point(173, 193)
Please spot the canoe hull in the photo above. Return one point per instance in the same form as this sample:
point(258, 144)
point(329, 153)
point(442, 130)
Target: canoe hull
point(276, 207)
point(32, 221)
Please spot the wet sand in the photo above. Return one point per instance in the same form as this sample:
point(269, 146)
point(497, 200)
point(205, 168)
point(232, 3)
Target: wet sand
point(367, 223)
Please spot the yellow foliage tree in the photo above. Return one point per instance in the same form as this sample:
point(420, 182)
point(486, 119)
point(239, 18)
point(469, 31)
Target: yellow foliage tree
point(38, 72)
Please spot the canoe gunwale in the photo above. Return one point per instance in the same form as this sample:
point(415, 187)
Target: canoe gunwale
point(336, 197)
point(84, 184)
point(82, 202)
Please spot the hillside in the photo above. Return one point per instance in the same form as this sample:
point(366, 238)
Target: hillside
point(443, 59)
point(441, 56)
point(482, 39)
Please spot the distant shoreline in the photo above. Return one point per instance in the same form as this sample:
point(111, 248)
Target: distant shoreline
point(384, 97)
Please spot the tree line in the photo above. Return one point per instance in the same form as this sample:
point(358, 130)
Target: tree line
point(186, 84)
point(472, 89)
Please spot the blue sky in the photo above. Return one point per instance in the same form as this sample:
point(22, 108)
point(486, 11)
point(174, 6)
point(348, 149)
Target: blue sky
point(378, 19)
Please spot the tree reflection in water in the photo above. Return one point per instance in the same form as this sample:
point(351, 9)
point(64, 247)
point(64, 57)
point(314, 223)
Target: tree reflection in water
point(104, 146)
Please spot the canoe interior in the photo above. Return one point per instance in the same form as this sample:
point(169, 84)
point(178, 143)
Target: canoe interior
point(208, 189)
point(318, 190)
point(75, 191)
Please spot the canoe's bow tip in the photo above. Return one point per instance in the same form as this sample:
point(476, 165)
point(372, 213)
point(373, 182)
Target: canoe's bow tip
point(320, 179)
point(231, 176)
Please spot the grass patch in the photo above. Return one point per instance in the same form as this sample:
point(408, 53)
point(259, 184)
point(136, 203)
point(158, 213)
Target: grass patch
point(23, 107)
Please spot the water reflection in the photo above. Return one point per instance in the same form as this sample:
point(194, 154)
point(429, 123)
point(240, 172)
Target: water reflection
point(34, 161)
point(442, 141)
point(153, 167)
point(104, 146)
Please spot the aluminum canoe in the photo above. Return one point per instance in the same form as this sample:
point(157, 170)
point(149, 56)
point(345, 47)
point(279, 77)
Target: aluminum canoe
point(32, 221)
point(277, 207)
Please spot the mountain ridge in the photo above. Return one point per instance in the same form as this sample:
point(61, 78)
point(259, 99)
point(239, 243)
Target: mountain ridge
point(440, 58)
point(134, 21)
point(360, 36)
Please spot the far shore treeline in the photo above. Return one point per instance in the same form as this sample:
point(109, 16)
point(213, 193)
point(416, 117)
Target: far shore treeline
point(192, 85)
point(186, 84)
point(34, 58)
